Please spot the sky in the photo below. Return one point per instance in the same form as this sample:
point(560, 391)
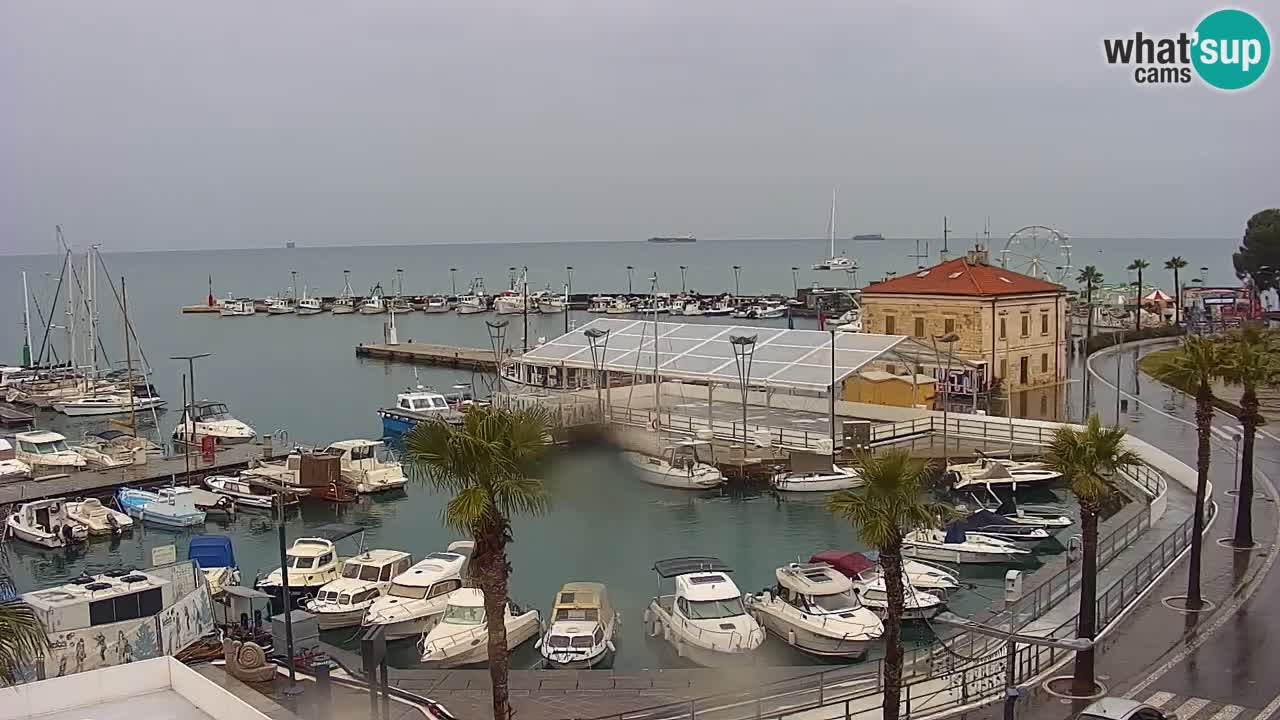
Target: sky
point(153, 124)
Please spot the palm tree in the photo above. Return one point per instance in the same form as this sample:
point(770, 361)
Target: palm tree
point(1175, 264)
point(1091, 279)
point(1089, 458)
point(1247, 361)
point(888, 506)
point(1196, 364)
point(21, 634)
point(485, 464)
point(1139, 265)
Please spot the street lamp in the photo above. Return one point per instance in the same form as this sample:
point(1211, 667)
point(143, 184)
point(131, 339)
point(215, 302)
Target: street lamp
point(737, 271)
point(948, 340)
point(599, 341)
point(630, 271)
point(744, 349)
point(497, 341)
point(795, 282)
point(683, 269)
point(294, 688)
point(568, 295)
point(1010, 677)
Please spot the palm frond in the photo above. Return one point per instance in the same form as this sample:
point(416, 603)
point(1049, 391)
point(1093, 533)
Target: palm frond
point(1090, 458)
point(22, 636)
point(890, 502)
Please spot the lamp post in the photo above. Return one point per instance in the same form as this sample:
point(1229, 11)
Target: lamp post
point(1235, 472)
point(744, 349)
point(568, 294)
point(453, 280)
point(294, 688)
point(524, 304)
point(1119, 363)
point(1012, 639)
point(795, 282)
point(948, 340)
point(599, 341)
point(737, 272)
point(683, 269)
point(831, 401)
point(497, 341)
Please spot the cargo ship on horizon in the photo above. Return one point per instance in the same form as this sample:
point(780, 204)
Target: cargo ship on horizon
point(678, 239)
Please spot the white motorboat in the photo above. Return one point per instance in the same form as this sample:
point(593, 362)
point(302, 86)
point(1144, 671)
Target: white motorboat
point(207, 418)
point(309, 305)
point(472, 303)
point(217, 560)
point(11, 468)
point(343, 602)
point(814, 609)
point(461, 637)
point(582, 626)
point(620, 306)
point(1049, 517)
point(814, 472)
point(917, 604)
point(693, 308)
point(237, 308)
point(399, 305)
point(599, 304)
point(281, 306)
point(704, 619)
point(679, 467)
point(985, 523)
point(312, 561)
point(345, 303)
point(835, 262)
point(436, 304)
point(998, 473)
point(246, 493)
point(412, 605)
point(106, 404)
point(367, 467)
point(98, 458)
point(864, 567)
point(45, 523)
point(42, 449)
point(169, 507)
point(957, 546)
point(374, 304)
point(550, 304)
point(510, 303)
point(96, 518)
point(723, 306)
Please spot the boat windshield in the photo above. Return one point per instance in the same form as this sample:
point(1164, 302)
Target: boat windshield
point(216, 411)
point(45, 448)
point(356, 571)
point(835, 603)
point(459, 615)
point(715, 609)
point(301, 563)
point(412, 592)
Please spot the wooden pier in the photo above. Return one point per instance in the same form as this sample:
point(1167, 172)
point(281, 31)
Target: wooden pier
point(424, 354)
point(156, 471)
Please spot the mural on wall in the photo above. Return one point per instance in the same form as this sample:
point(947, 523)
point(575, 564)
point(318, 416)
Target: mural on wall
point(173, 629)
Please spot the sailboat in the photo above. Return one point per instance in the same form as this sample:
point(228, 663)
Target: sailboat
point(835, 262)
point(346, 302)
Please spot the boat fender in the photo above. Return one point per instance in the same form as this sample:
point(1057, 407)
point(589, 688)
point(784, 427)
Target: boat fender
point(680, 649)
point(224, 502)
point(666, 633)
point(646, 615)
point(791, 637)
point(654, 629)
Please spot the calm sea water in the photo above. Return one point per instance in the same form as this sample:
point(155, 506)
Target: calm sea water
point(300, 375)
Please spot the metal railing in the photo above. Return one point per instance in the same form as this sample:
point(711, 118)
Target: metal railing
point(722, 429)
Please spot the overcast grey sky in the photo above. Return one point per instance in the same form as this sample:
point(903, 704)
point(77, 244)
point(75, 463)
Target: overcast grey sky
point(151, 125)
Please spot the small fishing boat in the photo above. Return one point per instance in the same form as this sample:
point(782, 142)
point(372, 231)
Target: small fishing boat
point(582, 626)
point(985, 523)
point(96, 518)
point(461, 637)
point(345, 303)
point(995, 473)
point(1049, 517)
point(246, 493)
point(168, 507)
point(217, 560)
point(399, 305)
point(237, 308)
point(106, 404)
point(414, 406)
point(620, 306)
point(551, 304)
point(723, 306)
point(312, 562)
point(680, 466)
point(42, 450)
point(436, 304)
point(416, 598)
point(814, 472)
point(814, 609)
point(374, 304)
point(207, 418)
point(281, 306)
point(599, 304)
point(693, 308)
point(704, 619)
point(957, 546)
point(11, 468)
point(45, 523)
point(472, 304)
point(367, 467)
point(309, 305)
point(511, 303)
point(343, 602)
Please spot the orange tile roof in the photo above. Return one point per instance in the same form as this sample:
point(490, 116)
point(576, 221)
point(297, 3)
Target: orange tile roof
point(959, 277)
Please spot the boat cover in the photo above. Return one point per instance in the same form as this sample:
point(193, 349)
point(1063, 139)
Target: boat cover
point(847, 562)
point(955, 532)
point(687, 565)
point(334, 532)
point(212, 551)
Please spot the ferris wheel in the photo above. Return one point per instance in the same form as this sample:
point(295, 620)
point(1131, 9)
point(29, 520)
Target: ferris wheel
point(1039, 251)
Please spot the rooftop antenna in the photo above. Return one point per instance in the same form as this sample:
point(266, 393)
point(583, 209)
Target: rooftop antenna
point(921, 256)
point(987, 231)
point(946, 232)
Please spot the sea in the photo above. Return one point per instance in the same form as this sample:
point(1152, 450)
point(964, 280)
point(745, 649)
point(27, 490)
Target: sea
point(299, 379)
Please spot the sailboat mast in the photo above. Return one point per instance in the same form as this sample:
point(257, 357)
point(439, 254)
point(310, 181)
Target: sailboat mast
point(26, 319)
point(657, 379)
point(128, 357)
point(831, 225)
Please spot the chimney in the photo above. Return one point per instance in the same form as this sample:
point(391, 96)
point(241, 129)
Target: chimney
point(978, 256)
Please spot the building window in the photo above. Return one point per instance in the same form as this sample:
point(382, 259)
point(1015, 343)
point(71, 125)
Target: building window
point(890, 325)
point(1002, 332)
point(1044, 406)
point(919, 327)
point(1026, 325)
point(1044, 362)
point(1004, 368)
point(891, 368)
point(1044, 323)
point(948, 326)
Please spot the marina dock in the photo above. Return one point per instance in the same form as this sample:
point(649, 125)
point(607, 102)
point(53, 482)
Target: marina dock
point(425, 354)
point(157, 470)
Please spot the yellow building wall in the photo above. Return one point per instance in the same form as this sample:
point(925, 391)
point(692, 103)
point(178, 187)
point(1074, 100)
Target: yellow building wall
point(894, 392)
